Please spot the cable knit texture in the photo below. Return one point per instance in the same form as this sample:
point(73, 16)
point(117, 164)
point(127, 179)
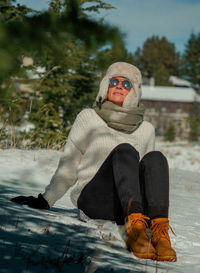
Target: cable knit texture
point(89, 143)
point(91, 140)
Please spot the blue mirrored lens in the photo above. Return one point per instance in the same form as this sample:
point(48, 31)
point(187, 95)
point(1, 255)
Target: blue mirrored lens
point(114, 82)
point(126, 84)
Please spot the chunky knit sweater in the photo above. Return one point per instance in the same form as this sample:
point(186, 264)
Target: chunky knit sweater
point(89, 143)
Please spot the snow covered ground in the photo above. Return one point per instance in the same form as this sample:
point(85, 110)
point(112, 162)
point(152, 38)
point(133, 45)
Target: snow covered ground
point(58, 241)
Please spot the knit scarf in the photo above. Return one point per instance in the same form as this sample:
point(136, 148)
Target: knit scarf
point(120, 118)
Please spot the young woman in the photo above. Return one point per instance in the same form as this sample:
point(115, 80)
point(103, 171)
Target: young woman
point(110, 157)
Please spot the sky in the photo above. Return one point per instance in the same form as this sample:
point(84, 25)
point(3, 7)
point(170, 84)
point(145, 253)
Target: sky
point(140, 19)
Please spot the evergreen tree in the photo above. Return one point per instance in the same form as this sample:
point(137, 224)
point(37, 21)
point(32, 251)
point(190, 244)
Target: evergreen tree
point(106, 57)
point(170, 133)
point(158, 58)
point(21, 34)
point(10, 58)
point(191, 59)
point(65, 41)
point(63, 92)
point(194, 128)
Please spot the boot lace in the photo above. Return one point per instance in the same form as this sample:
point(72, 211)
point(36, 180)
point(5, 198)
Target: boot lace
point(134, 219)
point(159, 230)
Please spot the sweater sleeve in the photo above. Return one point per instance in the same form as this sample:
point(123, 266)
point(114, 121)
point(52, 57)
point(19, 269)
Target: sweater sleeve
point(66, 173)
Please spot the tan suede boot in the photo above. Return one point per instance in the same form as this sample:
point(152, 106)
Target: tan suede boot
point(137, 239)
point(161, 240)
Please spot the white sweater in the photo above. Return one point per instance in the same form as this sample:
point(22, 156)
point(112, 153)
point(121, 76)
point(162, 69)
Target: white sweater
point(89, 143)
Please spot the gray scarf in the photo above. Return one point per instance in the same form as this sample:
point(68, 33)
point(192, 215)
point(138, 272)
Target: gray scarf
point(120, 118)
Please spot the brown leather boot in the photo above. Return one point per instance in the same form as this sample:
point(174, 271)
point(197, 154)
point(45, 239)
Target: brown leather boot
point(161, 240)
point(137, 239)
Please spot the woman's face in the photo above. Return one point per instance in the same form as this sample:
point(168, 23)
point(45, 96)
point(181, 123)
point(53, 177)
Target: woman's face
point(117, 93)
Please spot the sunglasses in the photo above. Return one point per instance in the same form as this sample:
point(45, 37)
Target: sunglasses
point(125, 83)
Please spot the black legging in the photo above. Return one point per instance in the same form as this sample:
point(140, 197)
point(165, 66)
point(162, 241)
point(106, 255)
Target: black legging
point(124, 185)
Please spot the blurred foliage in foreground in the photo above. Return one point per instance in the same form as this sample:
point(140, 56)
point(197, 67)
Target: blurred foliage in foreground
point(67, 48)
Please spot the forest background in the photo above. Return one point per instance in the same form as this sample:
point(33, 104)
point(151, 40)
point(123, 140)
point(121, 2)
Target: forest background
point(69, 52)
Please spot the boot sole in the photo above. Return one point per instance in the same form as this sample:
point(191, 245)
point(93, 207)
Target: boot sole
point(143, 255)
point(166, 258)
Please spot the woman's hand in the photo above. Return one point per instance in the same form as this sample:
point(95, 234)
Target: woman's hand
point(33, 202)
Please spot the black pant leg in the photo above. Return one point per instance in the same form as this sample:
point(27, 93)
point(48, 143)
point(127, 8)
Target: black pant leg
point(154, 175)
point(126, 174)
point(99, 199)
point(114, 192)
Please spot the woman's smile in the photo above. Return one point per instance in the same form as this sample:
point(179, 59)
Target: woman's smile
point(117, 93)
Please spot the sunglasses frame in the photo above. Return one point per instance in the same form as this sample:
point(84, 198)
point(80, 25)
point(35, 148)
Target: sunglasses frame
point(119, 82)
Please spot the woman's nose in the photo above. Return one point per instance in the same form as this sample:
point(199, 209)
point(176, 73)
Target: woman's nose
point(119, 86)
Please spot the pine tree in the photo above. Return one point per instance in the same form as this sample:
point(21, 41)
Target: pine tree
point(191, 59)
point(170, 133)
point(21, 34)
point(61, 94)
point(194, 128)
point(157, 58)
point(65, 41)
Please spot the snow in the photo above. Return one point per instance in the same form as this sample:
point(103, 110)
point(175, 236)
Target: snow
point(37, 73)
point(59, 241)
point(179, 82)
point(26, 126)
point(182, 155)
point(169, 93)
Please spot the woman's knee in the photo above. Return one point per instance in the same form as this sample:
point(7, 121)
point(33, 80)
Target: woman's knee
point(154, 156)
point(127, 148)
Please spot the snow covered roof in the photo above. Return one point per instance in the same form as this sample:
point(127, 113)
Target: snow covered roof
point(169, 93)
point(179, 82)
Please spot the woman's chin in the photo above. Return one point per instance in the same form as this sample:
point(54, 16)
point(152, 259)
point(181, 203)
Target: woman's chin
point(119, 103)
